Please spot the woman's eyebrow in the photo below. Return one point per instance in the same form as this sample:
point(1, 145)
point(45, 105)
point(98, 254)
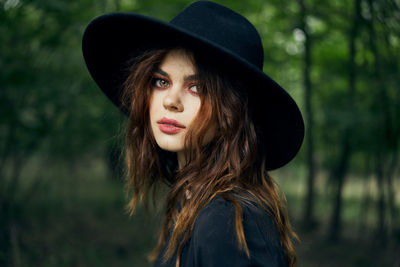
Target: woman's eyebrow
point(192, 77)
point(160, 71)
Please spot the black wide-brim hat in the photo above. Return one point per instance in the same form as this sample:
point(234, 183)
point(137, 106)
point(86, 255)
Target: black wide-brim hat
point(212, 30)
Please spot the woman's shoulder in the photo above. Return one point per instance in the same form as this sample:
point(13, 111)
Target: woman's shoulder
point(215, 219)
point(214, 233)
point(219, 214)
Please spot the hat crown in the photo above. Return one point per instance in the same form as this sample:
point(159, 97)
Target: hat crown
point(224, 27)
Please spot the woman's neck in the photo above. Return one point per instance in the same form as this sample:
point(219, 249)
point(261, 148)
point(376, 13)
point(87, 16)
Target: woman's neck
point(181, 159)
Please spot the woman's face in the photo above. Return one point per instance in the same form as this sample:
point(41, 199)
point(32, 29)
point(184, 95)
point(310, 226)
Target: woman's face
point(174, 101)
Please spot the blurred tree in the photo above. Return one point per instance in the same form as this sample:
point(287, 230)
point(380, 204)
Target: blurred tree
point(308, 214)
point(339, 171)
point(386, 96)
point(50, 106)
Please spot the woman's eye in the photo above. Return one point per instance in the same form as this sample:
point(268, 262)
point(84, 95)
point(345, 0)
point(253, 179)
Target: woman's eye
point(161, 83)
point(194, 89)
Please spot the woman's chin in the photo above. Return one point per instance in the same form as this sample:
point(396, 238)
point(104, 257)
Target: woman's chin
point(171, 146)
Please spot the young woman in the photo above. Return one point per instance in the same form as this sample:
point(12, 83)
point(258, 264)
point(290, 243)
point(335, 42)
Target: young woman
point(204, 119)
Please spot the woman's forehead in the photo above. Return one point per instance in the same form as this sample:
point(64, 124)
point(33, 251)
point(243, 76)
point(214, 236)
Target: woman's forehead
point(179, 61)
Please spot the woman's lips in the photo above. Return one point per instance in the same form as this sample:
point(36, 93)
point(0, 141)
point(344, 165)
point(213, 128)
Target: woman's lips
point(170, 126)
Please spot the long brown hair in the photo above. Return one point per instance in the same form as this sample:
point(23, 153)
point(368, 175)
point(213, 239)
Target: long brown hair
point(231, 165)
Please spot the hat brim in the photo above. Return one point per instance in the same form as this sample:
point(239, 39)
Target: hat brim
point(111, 40)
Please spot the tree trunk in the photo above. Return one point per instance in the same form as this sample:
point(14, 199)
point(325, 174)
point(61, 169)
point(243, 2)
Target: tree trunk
point(117, 4)
point(338, 173)
point(387, 151)
point(380, 208)
point(308, 214)
point(391, 195)
point(365, 205)
point(14, 244)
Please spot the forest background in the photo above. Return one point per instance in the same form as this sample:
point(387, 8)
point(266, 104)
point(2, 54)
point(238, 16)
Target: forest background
point(62, 199)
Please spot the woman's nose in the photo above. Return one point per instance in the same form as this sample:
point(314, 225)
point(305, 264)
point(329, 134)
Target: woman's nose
point(172, 100)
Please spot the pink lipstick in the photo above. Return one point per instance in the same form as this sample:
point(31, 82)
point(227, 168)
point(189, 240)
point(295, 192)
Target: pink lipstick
point(170, 126)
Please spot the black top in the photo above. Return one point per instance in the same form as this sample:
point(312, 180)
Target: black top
point(213, 241)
